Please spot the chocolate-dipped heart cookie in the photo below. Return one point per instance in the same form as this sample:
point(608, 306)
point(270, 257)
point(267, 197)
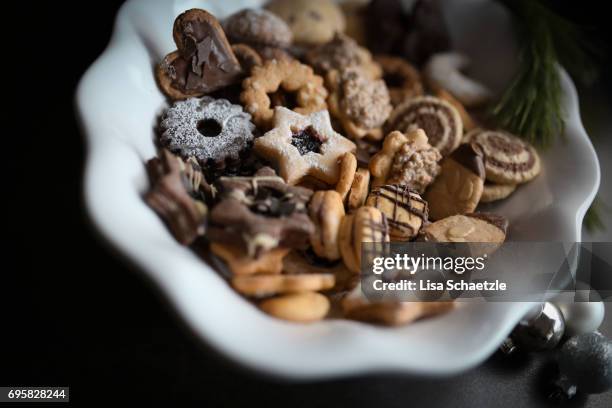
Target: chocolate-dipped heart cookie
point(204, 61)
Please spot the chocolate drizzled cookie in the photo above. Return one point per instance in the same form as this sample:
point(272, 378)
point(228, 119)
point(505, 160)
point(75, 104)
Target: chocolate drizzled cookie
point(404, 208)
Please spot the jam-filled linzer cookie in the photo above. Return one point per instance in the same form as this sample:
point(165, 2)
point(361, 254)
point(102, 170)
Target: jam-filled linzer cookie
point(458, 188)
point(260, 213)
point(204, 61)
point(508, 159)
point(211, 130)
point(304, 145)
point(285, 83)
point(438, 118)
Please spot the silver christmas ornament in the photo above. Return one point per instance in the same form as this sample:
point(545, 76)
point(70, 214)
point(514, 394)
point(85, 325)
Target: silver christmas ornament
point(540, 330)
point(580, 314)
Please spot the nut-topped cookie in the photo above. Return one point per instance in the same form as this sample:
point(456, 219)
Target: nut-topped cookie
point(362, 105)
point(458, 188)
point(340, 53)
point(406, 159)
point(404, 209)
point(304, 145)
point(476, 227)
point(438, 118)
point(508, 159)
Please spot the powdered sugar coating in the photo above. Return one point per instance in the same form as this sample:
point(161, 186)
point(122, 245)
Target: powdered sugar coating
point(180, 134)
point(258, 27)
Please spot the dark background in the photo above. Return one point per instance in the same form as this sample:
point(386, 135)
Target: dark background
point(74, 314)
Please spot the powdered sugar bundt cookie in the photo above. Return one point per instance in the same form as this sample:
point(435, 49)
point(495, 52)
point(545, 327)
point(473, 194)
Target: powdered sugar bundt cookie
point(211, 130)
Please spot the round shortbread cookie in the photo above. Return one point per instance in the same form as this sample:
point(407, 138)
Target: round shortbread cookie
point(297, 307)
point(494, 192)
point(266, 285)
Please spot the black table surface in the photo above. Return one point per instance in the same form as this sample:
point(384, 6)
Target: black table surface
point(75, 314)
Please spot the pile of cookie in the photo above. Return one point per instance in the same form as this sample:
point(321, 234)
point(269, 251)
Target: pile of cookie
point(287, 144)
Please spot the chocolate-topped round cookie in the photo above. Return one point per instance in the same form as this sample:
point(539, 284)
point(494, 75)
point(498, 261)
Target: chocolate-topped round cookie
point(211, 130)
point(439, 119)
point(508, 159)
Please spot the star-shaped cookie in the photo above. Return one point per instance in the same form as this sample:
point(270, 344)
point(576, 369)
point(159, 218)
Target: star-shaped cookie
point(301, 145)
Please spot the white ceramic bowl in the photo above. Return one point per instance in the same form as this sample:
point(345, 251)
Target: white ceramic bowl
point(118, 103)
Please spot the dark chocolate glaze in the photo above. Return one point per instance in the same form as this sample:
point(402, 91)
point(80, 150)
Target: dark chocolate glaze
point(470, 156)
point(206, 62)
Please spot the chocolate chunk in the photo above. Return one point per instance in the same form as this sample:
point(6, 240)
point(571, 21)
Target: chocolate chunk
point(307, 140)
